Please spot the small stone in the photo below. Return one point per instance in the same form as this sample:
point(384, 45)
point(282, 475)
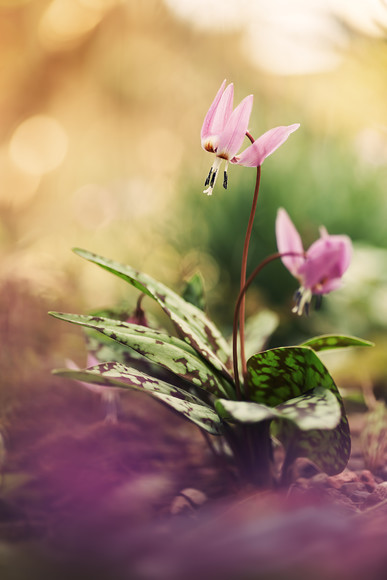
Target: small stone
point(378, 495)
point(345, 476)
point(320, 480)
point(368, 479)
point(355, 491)
point(339, 499)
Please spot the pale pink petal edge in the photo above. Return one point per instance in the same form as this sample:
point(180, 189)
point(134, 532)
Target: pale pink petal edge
point(265, 145)
point(288, 240)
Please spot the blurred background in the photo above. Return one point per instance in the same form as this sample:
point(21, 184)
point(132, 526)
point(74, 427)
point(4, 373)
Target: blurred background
point(101, 106)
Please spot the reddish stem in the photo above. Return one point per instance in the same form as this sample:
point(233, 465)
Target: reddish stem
point(244, 265)
point(238, 306)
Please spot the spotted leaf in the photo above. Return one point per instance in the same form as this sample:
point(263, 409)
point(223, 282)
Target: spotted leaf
point(191, 323)
point(244, 411)
point(168, 351)
point(317, 409)
point(328, 448)
point(277, 375)
point(329, 341)
point(107, 350)
point(118, 375)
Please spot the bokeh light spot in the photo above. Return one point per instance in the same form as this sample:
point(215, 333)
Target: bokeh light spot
point(38, 145)
point(16, 187)
point(65, 22)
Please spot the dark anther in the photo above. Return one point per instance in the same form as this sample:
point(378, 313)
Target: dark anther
point(225, 180)
point(213, 178)
point(297, 297)
point(318, 301)
point(208, 178)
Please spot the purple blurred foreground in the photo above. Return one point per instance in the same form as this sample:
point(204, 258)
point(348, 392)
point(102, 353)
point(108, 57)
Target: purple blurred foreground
point(93, 500)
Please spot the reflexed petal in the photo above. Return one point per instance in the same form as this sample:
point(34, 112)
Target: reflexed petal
point(231, 139)
point(217, 116)
point(288, 240)
point(264, 146)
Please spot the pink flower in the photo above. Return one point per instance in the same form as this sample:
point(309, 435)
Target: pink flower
point(320, 268)
point(224, 130)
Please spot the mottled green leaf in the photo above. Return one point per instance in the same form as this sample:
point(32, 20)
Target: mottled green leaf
point(329, 341)
point(194, 291)
point(105, 349)
point(191, 323)
point(118, 375)
point(329, 449)
point(317, 409)
point(276, 375)
point(168, 351)
point(244, 412)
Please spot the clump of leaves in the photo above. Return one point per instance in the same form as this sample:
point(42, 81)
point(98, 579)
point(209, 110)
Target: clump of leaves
point(287, 392)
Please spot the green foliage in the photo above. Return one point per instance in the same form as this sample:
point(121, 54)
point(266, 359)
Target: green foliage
point(280, 374)
point(293, 379)
point(170, 352)
point(117, 375)
point(287, 389)
point(329, 341)
point(328, 448)
point(191, 322)
point(317, 409)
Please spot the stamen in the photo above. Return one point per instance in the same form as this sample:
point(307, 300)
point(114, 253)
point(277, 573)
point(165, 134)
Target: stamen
point(225, 179)
point(212, 176)
point(207, 181)
point(318, 301)
point(303, 297)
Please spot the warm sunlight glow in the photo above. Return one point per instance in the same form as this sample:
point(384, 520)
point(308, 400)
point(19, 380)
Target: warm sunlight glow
point(16, 186)
point(38, 145)
point(94, 206)
point(299, 37)
point(65, 22)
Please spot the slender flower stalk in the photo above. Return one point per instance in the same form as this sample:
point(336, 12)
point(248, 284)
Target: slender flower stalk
point(237, 312)
point(256, 153)
point(242, 314)
point(223, 132)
